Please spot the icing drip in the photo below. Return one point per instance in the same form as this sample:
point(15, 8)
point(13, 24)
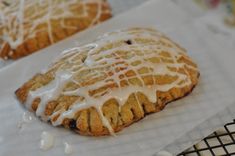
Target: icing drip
point(26, 118)
point(102, 66)
point(68, 148)
point(28, 15)
point(47, 141)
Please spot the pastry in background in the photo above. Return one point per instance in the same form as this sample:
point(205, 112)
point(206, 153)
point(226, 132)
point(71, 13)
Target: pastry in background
point(230, 19)
point(27, 26)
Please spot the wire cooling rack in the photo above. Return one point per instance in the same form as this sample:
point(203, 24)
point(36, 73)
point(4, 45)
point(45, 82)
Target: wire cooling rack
point(219, 143)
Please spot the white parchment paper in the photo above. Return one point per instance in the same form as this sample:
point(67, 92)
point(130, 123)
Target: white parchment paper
point(157, 131)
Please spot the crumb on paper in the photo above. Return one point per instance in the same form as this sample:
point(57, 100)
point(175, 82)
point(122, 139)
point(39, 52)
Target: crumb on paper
point(68, 148)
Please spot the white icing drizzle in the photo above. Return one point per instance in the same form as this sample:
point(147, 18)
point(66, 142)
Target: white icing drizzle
point(49, 21)
point(48, 93)
point(47, 141)
point(100, 63)
point(19, 20)
point(68, 149)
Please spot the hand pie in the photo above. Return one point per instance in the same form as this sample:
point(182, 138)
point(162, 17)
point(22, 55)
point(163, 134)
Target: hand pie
point(102, 87)
point(27, 26)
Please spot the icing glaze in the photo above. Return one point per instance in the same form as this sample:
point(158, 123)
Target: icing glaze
point(68, 148)
point(48, 93)
point(107, 66)
point(18, 23)
point(47, 141)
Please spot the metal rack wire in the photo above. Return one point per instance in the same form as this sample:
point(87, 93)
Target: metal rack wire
point(219, 143)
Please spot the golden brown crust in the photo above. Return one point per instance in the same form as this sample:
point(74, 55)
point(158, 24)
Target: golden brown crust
point(130, 112)
point(71, 25)
point(137, 106)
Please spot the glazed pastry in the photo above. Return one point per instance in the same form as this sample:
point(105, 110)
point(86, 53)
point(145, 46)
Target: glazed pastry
point(27, 26)
point(102, 87)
